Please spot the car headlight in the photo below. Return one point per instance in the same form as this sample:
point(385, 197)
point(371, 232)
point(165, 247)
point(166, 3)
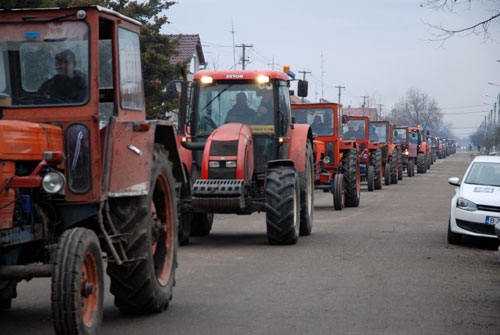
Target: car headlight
point(466, 205)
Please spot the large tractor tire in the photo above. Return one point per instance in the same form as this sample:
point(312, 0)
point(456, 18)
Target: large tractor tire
point(352, 178)
point(400, 165)
point(8, 292)
point(306, 180)
point(77, 283)
point(148, 224)
point(421, 163)
point(387, 174)
point(376, 162)
point(338, 191)
point(410, 167)
point(370, 178)
point(394, 168)
point(201, 224)
point(282, 197)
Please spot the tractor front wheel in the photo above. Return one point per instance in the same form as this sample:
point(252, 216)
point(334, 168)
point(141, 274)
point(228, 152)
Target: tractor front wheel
point(77, 283)
point(338, 191)
point(307, 193)
point(282, 198)
point(370, 177)
point(387, 174)
point(352, 179)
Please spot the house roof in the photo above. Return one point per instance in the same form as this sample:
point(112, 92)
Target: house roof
point(188, 45)
point(370, 112)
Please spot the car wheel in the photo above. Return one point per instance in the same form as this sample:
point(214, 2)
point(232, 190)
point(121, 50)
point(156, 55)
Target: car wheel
point(453, 238)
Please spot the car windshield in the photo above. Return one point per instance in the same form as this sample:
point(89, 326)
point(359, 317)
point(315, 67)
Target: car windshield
point(483, 173)
point(44, 64)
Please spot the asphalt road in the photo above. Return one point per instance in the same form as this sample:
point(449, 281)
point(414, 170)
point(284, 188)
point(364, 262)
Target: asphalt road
point(382, 268)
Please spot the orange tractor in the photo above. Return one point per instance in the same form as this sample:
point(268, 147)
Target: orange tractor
point(423, 160)
point(382, 132)
point(82, 172)
point(408, 143)
point(244, 155)
point(337, 163)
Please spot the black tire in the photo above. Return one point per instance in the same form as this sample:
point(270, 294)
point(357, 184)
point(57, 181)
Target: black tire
point(338, 191)
point(185, 217)
point(77, 283)
point(370, 178)
point(352, 178)
point(148, 225)
point(421, 163)
point(307, 193)
point(453, 238)
point(8, 292)
point(202, 223)
point(376, 162)
point(410, 168)
point(387, 174)
point(282, 198)
point(400, 165)
point(394, 168)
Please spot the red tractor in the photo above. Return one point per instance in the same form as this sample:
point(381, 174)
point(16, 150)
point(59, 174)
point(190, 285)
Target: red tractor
point(337, 162)
point(370, 153)
point(406, 140)
point(245, 155)
point(382, 132)
point(82, 171)
point(423, 158)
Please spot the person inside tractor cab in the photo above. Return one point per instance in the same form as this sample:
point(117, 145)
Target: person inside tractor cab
point(373, 134)
point(265, 111)
point(350, 133)
point(241, 112)
point(68, 84)
point(318, 127)
point(328, 124)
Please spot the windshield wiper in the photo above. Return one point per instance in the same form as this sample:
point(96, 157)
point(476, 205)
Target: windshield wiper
point(218, 95)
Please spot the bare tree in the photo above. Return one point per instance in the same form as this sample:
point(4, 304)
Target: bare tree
point(478, 28)
point(418, 109)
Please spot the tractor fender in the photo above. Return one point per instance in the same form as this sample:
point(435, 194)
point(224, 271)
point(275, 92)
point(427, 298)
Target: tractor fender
point(179, 157)
point(299, 136)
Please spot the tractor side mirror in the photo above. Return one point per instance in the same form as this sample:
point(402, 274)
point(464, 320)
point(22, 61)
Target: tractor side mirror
point(302, 87)
point(345, 119)
point(171, 90)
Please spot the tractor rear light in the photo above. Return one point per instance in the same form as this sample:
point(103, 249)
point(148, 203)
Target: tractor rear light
point(53, 182)
point(53, 157)
point(214, 164)
point(141, 126)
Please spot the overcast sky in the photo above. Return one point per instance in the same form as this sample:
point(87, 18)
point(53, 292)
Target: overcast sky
point(378, 49)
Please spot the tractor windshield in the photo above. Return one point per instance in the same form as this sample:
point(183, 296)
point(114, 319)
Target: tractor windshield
point(355, 130)
point(399, 136)
point(378, 132)
point(44, 63)
point(320, 119)
point(243, 102)
point(414, 138)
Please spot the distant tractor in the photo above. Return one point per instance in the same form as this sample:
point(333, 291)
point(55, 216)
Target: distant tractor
point(391, 152)
point(244, 155)
point(424, 154)
point(408, 144)
point(337, 163)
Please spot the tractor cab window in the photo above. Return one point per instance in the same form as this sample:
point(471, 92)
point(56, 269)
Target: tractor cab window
point(229, 102)
point(399, 136)
point(379, 131)
point(44, 63)
point(414, 137)
point(355, 129)
point(320, 119)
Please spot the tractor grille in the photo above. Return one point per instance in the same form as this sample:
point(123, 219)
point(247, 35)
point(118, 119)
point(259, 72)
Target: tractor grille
point(478, 228)
point(224, 148)
point(219, 195)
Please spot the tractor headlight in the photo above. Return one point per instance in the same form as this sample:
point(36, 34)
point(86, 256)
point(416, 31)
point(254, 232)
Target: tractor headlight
point(327, 160)
point(231, 164)
point(53, 182)
point(214, 164)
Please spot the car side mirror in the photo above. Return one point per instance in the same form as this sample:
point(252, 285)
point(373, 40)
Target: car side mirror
point(455, 181)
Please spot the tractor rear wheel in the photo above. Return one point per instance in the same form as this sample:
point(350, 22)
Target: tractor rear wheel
point(376, 162)
point(400, 165)
point(201, 224)
point(307, 193)
point(387, 174)
point(148, 225)
point(7, 293)
point(352, 179)
point(338, 191)
point(77, 283)
point(282, 197)
point(370, 178)
point(394, 168)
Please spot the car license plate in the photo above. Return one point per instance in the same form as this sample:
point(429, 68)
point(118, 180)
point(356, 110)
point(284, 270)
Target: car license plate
point(492, 220)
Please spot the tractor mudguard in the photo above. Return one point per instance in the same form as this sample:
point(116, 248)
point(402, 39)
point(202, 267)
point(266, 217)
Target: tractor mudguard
point(300, 134)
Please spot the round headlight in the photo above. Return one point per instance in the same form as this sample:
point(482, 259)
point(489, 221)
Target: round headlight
point(53, 182)
point(326, 160)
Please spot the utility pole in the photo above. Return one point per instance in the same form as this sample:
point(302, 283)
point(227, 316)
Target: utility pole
point(304, 74)
point(340, 88)
point(364, 103)
point(379, 113)
point(243, 57)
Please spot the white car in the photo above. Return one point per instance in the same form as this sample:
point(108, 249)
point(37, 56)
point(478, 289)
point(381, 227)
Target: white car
point(475, 208)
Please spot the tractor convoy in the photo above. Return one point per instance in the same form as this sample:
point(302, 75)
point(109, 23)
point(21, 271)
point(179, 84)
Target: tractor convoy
point(88, 185)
